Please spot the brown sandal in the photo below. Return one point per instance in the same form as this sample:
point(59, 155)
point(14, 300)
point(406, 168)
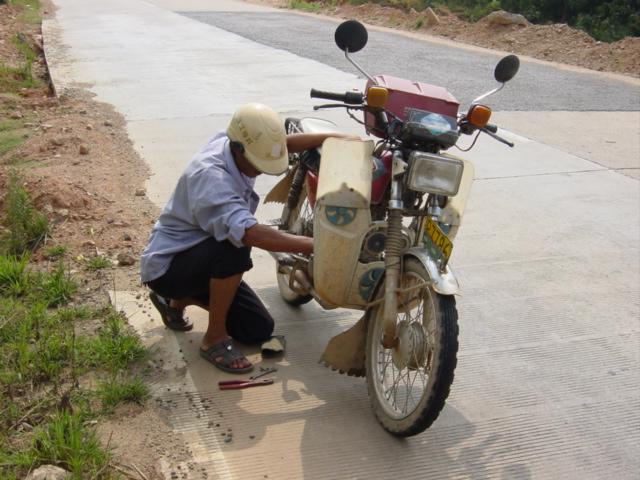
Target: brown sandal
point(225, 351)
point(171, 317)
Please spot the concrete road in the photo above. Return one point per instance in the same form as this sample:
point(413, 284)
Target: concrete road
point(546, 384)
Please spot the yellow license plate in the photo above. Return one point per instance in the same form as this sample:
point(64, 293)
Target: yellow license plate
point(436, 241)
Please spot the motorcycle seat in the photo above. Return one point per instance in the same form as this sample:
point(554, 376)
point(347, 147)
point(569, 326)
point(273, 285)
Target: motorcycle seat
point(317, 125)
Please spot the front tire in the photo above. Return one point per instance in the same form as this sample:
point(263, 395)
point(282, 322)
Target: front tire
point(408, 384)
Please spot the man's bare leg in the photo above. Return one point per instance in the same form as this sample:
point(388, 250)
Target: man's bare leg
point(222, 291)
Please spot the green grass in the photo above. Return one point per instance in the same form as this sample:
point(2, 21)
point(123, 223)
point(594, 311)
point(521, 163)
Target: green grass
point(26, 226)
point(11, 124)
point(50, 344)
point(66, 441)
point(55, 251)
point(305, 5)
point(14, 278)
point(14, 78)
point(9, 141)
point(44, 353)
point(117, 391)
point(31, 12)
point(114, 348)
point(98, 263)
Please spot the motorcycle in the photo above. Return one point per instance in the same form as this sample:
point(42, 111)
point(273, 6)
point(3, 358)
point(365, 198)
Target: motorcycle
point(383, 218)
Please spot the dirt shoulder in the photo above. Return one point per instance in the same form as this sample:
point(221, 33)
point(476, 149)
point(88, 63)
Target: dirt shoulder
point(81, 170)
point(556, 43)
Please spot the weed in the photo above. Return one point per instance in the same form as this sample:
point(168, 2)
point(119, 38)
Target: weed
point(71, 314)
point(117, 391)
point(9, 141)
point(27, 227)
point(55, 288)
point(14, 278)
point(10, 124)
point(305, 5)
point(55, 252)
point(419, 23)
point(31, 12)
point(98, 263)
point(66, 441)
point(113, 348)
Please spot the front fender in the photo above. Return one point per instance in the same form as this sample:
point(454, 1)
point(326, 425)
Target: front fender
point(445, 283)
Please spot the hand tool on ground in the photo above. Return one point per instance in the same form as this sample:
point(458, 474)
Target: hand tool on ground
point(240, 384)
point(266, 371)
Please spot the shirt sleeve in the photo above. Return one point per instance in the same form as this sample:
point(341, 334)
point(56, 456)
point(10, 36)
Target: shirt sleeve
point(218, 208)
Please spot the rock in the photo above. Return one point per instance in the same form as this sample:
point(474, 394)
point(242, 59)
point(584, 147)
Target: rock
point(83, 150)
point(505, 18)
point(57, 142)
point(126, 237)
point(89, 126)
point(140, 192)
point(17, 115)
point(62, 213)
point(46, 126)
point(125, 260)
point(431, 17)
point(48, 472)
point(107, 123)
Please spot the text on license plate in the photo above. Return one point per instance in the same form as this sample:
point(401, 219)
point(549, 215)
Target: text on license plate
point(434, 236)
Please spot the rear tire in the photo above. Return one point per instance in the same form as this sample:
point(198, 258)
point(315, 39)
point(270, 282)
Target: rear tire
point(296, 225)
point(408, 385)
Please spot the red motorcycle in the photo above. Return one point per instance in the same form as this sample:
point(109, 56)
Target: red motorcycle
point(383, 217)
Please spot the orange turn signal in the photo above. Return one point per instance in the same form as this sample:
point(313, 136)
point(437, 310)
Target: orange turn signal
point(479, 115)
point(377, 97)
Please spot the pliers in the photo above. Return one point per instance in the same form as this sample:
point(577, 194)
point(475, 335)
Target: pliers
point(240, 384)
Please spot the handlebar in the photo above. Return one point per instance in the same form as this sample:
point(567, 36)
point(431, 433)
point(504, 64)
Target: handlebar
point(491, 131)
point(350, 98)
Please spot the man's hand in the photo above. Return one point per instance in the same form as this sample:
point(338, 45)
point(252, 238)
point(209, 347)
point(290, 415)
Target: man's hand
point(273, 240)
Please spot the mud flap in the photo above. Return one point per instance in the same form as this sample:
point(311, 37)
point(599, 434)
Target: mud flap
point(346, 352)
point(280, 192)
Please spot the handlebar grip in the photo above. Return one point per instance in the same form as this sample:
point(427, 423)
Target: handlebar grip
point(491, 128)
point(351, 98)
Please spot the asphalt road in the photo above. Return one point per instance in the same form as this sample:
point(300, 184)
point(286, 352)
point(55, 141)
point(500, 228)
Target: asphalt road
point(466, 74)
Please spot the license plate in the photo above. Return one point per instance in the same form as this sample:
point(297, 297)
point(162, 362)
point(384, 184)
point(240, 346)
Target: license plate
point(436, 242)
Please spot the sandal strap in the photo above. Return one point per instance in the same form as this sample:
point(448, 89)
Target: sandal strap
point(226, 350)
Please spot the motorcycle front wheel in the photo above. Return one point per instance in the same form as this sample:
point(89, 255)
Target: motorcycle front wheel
point(408, 384)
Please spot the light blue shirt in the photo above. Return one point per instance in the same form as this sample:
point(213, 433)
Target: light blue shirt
point(212, 199)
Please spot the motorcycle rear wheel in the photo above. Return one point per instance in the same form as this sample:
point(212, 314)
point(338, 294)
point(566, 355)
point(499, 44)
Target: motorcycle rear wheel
point(297, 223)
point(300, 220)
point(408, 385)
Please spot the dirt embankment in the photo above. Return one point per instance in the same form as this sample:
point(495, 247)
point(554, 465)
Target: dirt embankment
point(556, 43)
point(81, 169)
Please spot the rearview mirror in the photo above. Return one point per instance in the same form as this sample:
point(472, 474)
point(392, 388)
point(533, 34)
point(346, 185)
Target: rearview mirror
point(507, 68)
point(351, 36)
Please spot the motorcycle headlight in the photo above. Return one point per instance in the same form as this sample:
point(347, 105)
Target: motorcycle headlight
point(430, 173)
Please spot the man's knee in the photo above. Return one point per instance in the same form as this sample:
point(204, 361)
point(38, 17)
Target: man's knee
point(253, 330)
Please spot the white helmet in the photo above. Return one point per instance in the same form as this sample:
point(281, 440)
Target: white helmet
point(261, 132)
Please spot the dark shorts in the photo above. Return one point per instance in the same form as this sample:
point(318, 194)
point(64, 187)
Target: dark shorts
point(188, 276)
